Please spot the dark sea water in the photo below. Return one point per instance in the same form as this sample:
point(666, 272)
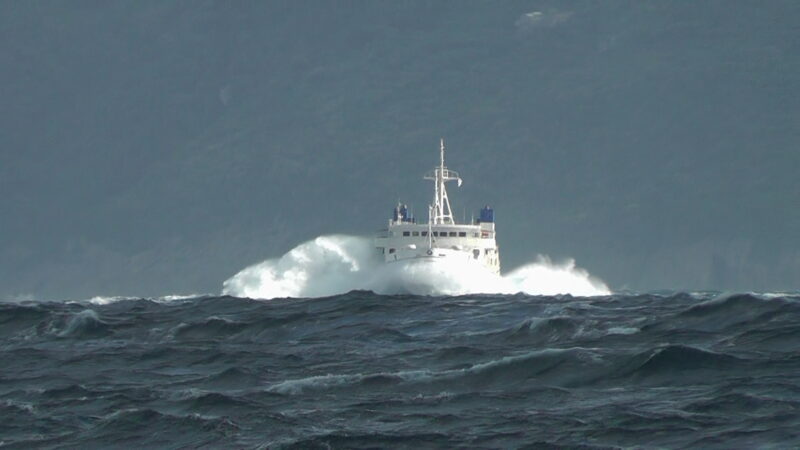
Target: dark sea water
point(367, 371)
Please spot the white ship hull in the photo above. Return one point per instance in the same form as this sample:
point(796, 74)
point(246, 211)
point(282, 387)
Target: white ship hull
point(445, 271)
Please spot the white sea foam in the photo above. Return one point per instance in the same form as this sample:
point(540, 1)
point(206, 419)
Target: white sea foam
point(623, 330)
point(107, 300)
point(330, 265)
point(321, 382)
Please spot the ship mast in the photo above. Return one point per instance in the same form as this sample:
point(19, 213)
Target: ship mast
point(440, 212)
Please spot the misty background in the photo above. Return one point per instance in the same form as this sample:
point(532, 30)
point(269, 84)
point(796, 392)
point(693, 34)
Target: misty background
point(152, 147)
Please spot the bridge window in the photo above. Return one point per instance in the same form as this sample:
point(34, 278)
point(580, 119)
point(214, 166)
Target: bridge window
point(406, 233)
point(436, 233)
point(415, 233)
point(462, 234)
point(391, 250)
point(453, 234)
point(424, 233)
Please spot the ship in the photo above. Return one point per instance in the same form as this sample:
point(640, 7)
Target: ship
point(440, 239)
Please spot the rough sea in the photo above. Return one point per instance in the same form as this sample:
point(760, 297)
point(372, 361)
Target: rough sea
point(361, 370)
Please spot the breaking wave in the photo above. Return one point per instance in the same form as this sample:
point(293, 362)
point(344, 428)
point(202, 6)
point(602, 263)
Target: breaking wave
point(107, 300)
point(330, 265)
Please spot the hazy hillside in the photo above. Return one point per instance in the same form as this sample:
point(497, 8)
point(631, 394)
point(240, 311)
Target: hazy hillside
point(157, 147)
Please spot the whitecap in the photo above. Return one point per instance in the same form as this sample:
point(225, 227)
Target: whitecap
point(331, 265)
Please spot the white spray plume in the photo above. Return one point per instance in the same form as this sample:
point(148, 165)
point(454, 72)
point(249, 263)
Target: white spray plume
point(330, 265)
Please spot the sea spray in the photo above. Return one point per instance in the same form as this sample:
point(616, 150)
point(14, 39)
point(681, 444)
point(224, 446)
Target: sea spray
point(330, 265)
point(327, 265)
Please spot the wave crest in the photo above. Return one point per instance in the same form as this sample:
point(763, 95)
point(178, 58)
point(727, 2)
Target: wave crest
point(335, 264)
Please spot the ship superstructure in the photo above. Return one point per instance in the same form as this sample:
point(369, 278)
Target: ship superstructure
point(405, 240)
